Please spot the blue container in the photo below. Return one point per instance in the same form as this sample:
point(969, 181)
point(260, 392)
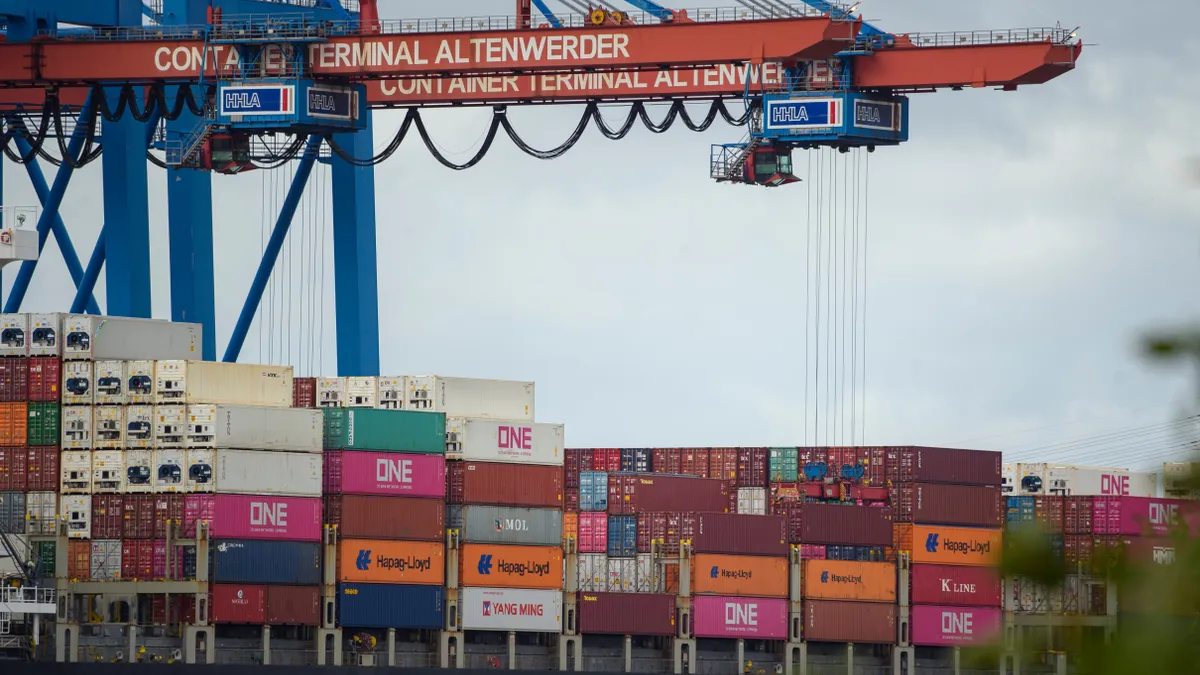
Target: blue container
point(391, 606)
point(635, 460)
point(246, 561)
point(622, 536)
point(593, 490)
point(1020, 510)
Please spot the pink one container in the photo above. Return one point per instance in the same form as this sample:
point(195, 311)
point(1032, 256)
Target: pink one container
point(255, 516)
point(593, 532)
point(385, 473)
point(1136, 515)
point(942, 625)
point(726, 617)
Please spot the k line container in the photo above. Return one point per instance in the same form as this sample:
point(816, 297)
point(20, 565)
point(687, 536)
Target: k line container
point(496, 484)
point(14, 335)
point(384, 473)
point(78, 383)
point(139, 427)
point(466, 397)
point(497, 566)
point(139, 471)
point(384, 431)
point(730, 617)
point(626, 614)
point(507, 525)
point(189, 382)
point(265, 562)
point(392, 562)
point(740, 575)
point(945, 545)
point(257, 517)
point(105, 337)
point(254, 428)
point(489, 440)
point(374, 517)
point(511, 609)
point(838, 621)
point(391, 606)
point(738, 534)
point(110, 382)
point(955, 585)
point(331, 392)
point(260, 472)
point(843, 580)
point(939, 626)
point(139, 382)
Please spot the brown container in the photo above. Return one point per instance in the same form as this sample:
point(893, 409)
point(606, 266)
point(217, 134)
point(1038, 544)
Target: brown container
point(495, 484)
point(723, 464)
point(13, 420)
point(739, 534)
point(45, 373)
point(239, 603)
point(943, 465)
point(966, 505)
point(1048, 512)
point(108, 516)
point(139, 517)
point(850, 580)
point(627, 614)
point(667, 460)
point(838, 621)
point(79, 559)
point(693, 462)
point(14, 474)
point(42, 469)
point(293, 606)
point(1077, 515)
point(168, 508)
point(14, 379)
point(752, 467)
point(740, 575)
point(374, 517)
point(571, 466)
point(570, 528)
point(838, 525)
point(635, 493)
point(304, 392)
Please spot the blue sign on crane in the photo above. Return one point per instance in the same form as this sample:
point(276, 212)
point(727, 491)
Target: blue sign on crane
point(258, 100)
point(879, 115)
point(330, 103)
point(806, 113)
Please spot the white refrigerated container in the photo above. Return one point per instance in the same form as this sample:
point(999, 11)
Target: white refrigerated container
point(259, 472)
point(77, 514)
point(45, 334)
point(170, 426)
point(78, 383)
point(188, 382)
point(108, 468)
point(362, 392)
point(139, 427)
point(170, 468)
point(468, 397)
point(93, 338)
point(331, 392)
point(255, 428)
point(139, 382)
point(14, 334)
point(1084, 481)
point(138, 475)
point(200, 470)
point(77, 427)
point(390, 394)
point(76, 471)
point(513, 442)
point(108, 427)
point(109, 377)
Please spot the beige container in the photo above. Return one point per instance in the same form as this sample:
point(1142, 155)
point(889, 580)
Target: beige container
point(189, 382)
point(331, 392)
point(108, 467)
point(108, 427)
point(76, 472)
point(362, 392)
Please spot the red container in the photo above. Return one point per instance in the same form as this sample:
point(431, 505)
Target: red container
point(237, 603)
point(606, 459)
point(374, 517)
point(293, 606)
point(875, 466)
point(593, 532)
point(571, 500)
point(139, 517)
point(626, 614)
point(956, 585)
point(1048, 512)
point(172, 609)
point(1077, 515)
point(751, 467)
point(723, 464)
point(838, 525)
point(585, 460)
point(42, 469)
point(838, 621)
point(571, 467)
point(79, 559)
point(649, 492)
point(1078, 549)
point(108, 516)
point(14, 379)
point(45, 377)
point(647, 525)
point(168, 508)
point(14, 470)
point(737, 534)
point(160, 564)
point(304, 392)
point(965, 505)
point(137, 559)
point(943, 465)
point(491, 483)
point(694, 462)
point(667, 460)
point(867, 494)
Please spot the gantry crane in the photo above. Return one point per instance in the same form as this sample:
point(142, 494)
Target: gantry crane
point(227, 76)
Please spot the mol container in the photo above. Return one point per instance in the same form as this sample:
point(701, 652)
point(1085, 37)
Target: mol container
point(737, 534)
point(109, 376)
point(108, 467)
point(254, 427)
point(242, 561)
point(45, 334)
point(331, 392)
point(170, 426)
point(199, 475)
point(391, 606)
point(76, 472)
point(730, 617)
point(108, 427)
point(14, 335)
point(506, 525)
point(255, 517)
point(373, 517)
point(845, 580)
point(838, 621)
point(955, 585)
point(188, 382)
point(77, 514)
point(94, 338)
point(392, 562)
point(498, 484)
point(497, 566)
point(384, 431)
point(77, 427)
point(138, 474)
point(389, 393)
point(384, 473)
point(169, 469)
point(139, 382)
point(945, 626)
point(603, 613)
point(261, 472)
point(945, 545)
point(511, 609)
point(739, 575)
point(139, 427)
point(362, 392)
point(490, 440)
point(466, 397)
point(77, 381)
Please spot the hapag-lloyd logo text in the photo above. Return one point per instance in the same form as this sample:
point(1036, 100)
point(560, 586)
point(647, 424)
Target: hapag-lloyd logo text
point(395, 471)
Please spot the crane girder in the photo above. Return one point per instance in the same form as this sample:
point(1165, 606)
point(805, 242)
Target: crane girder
point(971, 65)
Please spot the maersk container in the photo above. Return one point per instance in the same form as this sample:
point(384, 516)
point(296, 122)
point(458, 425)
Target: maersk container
point(389, 393)
point(248, 561)
point(264, 472)
point(331, 392)
point(109, 378)
point(139, 427)
point(139, 471)
point(199, 471)
point(622, 536)
point(45, 424)
point(170, 466)
point(77, 381)
point(108, 467)
point(467, 397)
point(593, 490)
point(391, 606)
point(76, 470)
point(254, 428)
point(384, 473)
point(626, 614)
point(783, 465)
point(14, 335)
point(170, 426)
point(45, 334)
point(506, 525)
point(108, 427)
point(188, 382)
point(362, 392)
point(77, 514)
point(76, 427)
point(515, 442)
point(105, 337)
point(384, 431)
point(139, 382)
point(511, 609)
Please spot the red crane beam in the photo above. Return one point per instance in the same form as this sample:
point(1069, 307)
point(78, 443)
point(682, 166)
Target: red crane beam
point(978, 65)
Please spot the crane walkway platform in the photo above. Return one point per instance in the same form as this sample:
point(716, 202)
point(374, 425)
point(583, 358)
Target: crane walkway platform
point(26, 600)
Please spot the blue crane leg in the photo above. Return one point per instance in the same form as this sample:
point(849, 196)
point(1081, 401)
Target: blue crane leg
point(278, 235)
point(89, 276)
point(127, 215)
point(356, 282)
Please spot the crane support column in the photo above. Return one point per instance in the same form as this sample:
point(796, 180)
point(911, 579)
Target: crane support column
point(126, 213)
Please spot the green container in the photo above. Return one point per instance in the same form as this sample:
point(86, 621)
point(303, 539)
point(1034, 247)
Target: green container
point(45, 423)
point(783, 465)
point(385, 430)
point(46, 553)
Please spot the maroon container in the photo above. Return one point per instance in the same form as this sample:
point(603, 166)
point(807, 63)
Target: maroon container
point(14, 379)
point(168, 508)
point(571, 467)
point(41, 467)
point(646, 528)
point(875, 466)
point(837, 621)
point(693, 462)
point(571, 500)
point(304, 392)
point(137, 559)
point(45, 375)
point(1048, 511)
point(838, 525)
point(737, 534)
point(627, 614)
point(1077, 515)
point(723, 464)
point(239, 603)
point(751, 467)
point(376, 517)
point(606, 459)
point(293, 606)
point(108, 516)
point(585, 460)
point(667, 460)
point(495, 484)
point(1078, 549)
point(139, 517)
point(14, 470)
point(965, 505)
point(649, 492)
point(956, 585)
point(943, 465)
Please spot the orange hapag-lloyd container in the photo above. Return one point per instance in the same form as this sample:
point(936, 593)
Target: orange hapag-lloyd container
point(392, 562)
point(506, 566)
point(849, 580)
point(955, 545)
point(740, 575)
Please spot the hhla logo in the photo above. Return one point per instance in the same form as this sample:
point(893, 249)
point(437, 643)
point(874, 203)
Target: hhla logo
point(741, 614)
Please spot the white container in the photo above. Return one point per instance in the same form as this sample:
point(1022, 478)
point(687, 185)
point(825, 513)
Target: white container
point(170, 467)
point(93, 338)
point(106, 560)
point(77, 427)
point(139, 382)
point(362, 392)
point(108, 469)
point(1176, 480)
point(200, 471)
point(78, 383)
point(511, 609)
point(513, 442)
point(76, 471)
point(331, 392)
point(1028, 597)
point(622, 575)
point(1086, 481)
point(108, 427)
point(139, 427)
point(593, 572)
point(77, 514)
point(109, 382)
point(390, 393)
point(258, 472)
point(41, 511)
point(255, 428)
point(1008, 479)
point(170, 426)
point(191, 382)
point(45, 334)
point(467, 397)
point(752, 501)
point(138, 474)
point(644, 582)
point(14, 334)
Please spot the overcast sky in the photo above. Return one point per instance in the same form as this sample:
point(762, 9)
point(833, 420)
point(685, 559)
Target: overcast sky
point(1017, 245)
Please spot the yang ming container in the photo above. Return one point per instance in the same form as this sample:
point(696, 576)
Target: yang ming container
point(511, 609)
point(737, 534)
point(626, 614)
point(376, 517)
point(739, 575)
point(244, 561)
point(506, 525)
point(488, 440)
point(391, 606)
point(384, 473)
point(106, 337)
point(254, 428)
point(188, 382)
point(489, 483)
point(384, 431)
point(727, 617)
point(944, 465)
point(258, 516)
point(261, 472)
point(861, 622)
point(497, 566)
point(955, 585)
point(466, 397)
point(945, 626)
point(392, 562)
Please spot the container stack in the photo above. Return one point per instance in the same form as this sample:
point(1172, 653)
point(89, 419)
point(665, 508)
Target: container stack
point(740, 574)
